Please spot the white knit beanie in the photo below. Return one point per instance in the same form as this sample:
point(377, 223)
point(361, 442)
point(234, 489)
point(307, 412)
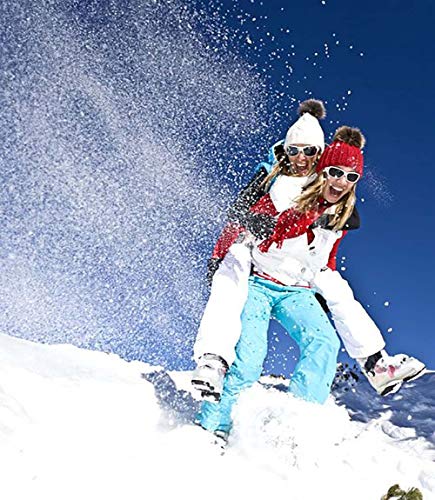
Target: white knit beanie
point(307, 129)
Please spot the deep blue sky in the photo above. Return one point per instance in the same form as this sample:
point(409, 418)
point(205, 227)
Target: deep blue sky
point(384, 57)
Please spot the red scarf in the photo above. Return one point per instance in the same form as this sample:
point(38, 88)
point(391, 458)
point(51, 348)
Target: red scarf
point(292, 223)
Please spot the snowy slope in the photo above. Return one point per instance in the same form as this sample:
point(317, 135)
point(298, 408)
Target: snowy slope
point(83, 424)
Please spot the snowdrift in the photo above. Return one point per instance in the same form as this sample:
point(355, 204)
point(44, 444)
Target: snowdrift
point(82, 424)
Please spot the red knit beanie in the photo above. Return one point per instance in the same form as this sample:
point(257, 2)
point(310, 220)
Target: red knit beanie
point(344, 151)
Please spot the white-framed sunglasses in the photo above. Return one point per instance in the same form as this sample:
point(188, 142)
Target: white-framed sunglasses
point(338, 172)
point(308, 151)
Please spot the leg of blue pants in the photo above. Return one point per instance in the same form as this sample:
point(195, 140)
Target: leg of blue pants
point(304, 319)
point(251, 351)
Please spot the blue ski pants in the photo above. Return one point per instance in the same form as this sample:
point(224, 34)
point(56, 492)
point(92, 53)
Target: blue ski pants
point(299, 312)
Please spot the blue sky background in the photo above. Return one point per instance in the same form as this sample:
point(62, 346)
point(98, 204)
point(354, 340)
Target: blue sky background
point(127, 127)
point(382, 52)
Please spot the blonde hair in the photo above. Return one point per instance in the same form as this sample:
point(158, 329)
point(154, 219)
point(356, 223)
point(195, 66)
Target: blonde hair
point(309, 200)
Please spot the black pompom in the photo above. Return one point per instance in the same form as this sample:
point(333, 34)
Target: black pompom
point(314, 107)
point(350, 135)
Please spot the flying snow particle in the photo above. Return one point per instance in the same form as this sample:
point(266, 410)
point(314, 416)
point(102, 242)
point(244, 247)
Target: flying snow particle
point(386, 303)
point(94, 177)
point(389, 330)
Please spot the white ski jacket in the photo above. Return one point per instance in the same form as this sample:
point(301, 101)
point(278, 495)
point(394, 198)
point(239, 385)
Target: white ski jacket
point(297, 261)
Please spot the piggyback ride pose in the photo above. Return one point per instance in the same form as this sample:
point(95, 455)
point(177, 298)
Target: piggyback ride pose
point(285, 264)
point(221, 323)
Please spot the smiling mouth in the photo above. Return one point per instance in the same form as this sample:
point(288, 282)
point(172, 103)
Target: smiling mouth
point(334, 191)
point(300, 167)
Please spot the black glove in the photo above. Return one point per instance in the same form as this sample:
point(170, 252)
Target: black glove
point(212, 266)
point(260, 225)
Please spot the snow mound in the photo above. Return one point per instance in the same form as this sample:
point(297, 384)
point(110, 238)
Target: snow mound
point(82, 424)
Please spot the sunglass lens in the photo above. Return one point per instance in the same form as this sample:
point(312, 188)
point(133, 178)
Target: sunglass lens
point(335, 172)
point(352, 176)
point(309, 150)
point(292, 150)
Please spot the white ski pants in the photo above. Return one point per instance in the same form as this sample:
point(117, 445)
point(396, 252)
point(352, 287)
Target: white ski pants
point(359, 333)
point(220, 326)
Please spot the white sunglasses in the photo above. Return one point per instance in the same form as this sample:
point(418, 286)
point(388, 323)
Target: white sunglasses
point(338, 172)
point(308, 151)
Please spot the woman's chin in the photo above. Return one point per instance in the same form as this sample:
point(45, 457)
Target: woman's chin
point(332, 197)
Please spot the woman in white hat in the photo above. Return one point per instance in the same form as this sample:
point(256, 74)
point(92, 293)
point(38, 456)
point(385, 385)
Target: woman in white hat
point(290, 167)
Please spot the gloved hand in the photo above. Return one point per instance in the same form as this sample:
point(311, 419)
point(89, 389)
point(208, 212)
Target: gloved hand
point(212, 266)
point(260, 225)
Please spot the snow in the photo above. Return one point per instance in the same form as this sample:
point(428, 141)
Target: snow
point(76, 423)
point(112, 133)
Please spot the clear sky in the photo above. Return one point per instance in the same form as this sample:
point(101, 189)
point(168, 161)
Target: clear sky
point(374, 65)
point(128, 126)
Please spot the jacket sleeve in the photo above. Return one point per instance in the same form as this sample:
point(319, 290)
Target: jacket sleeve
point(354, 221)
point(249, 195)
point(332, 261)
point(239, 215)
point(227, 237)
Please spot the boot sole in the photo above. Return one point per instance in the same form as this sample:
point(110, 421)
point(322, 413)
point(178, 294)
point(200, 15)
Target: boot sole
point(416, 375)
point(391, 389)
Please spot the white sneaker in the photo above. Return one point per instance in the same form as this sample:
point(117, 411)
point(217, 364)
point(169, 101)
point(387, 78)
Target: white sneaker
point(208, 377)
point(390, 372)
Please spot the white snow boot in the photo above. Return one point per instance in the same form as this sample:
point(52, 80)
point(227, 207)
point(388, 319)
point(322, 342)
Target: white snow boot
point(386, 374)
point(208, 377)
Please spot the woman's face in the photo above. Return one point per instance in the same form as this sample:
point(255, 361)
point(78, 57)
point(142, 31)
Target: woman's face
point(335, 188)
point(302, 165)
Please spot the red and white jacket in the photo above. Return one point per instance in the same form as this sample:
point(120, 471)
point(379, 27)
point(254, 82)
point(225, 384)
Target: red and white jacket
point(298, 248)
